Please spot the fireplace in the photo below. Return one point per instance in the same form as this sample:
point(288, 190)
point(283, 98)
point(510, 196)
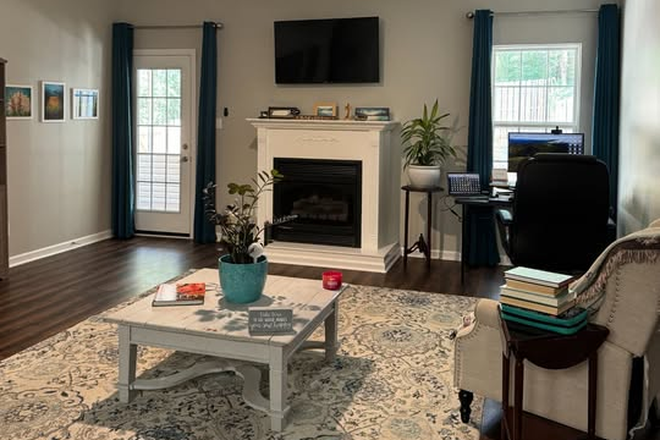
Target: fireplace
point(325, 195)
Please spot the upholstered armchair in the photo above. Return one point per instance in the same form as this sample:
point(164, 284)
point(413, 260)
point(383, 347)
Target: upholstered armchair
point(623, 285)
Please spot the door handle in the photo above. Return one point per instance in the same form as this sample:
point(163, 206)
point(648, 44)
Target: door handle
point(184, 159)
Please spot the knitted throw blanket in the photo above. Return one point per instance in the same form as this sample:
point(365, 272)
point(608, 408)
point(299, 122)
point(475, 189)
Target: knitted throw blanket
point(639, 247)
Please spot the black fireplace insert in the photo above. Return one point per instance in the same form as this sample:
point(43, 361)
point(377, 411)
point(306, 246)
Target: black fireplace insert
point(325, 195)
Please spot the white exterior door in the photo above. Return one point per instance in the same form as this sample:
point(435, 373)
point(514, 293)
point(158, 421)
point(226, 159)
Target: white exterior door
point(164, 168)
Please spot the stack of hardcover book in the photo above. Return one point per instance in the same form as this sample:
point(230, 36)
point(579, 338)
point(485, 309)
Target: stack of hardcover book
point(537, 290)
point(540, 299)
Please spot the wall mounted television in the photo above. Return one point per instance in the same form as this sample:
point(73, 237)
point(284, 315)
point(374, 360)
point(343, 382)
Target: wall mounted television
point(334, 51)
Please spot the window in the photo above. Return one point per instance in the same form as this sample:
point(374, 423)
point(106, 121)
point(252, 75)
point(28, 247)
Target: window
point(535, 89)
point(158, 139)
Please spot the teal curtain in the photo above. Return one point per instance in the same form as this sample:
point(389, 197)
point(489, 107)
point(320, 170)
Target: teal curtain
point(204, 232)
point(605, 130)
point(480, 221)
point(123, 193)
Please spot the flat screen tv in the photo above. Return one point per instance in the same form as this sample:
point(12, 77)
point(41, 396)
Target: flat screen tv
point(524, 145)
point(341, 50)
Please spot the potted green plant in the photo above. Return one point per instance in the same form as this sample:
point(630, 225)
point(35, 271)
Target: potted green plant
point(427, 144)
point(243, 269)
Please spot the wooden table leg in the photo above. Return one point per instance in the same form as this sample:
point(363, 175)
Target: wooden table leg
point(127, 361)
point(278, 388)
point(429, 225)
point(518, 400)
point(593, 388)
point(405, 228)
point(506, 371)
point(331, 325)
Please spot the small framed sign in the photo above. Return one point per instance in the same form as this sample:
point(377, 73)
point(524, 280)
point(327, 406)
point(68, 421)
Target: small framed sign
point(270, 321)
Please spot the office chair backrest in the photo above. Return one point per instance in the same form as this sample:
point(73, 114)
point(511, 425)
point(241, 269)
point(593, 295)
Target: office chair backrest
point(561, 210)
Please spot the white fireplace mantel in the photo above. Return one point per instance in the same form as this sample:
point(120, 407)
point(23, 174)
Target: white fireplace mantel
point(372, 143)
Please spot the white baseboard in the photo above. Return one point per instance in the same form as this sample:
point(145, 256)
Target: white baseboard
point(437, 254)
point(37, 254)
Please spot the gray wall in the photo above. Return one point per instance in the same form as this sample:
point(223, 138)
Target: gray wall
point(426, 55)
point(59, 174)
point(639, 184)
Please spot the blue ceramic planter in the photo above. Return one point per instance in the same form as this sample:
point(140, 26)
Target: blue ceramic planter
point(242, 283)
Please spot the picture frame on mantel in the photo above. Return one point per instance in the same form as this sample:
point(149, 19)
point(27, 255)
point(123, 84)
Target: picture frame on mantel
point(325, 109)
point(372, 113)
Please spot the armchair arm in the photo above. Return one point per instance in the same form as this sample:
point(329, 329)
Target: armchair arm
point(655, 223)
point(504, 220)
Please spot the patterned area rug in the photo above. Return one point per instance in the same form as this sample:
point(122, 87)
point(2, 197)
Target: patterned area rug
point(392, 380)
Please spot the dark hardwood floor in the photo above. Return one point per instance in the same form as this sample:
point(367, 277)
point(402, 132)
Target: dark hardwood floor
point(47, 296)
point(44, 297)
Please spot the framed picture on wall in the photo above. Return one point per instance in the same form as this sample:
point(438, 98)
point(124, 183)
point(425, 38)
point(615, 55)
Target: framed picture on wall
point(85, 104)
point(53, 101)
point(18, 102)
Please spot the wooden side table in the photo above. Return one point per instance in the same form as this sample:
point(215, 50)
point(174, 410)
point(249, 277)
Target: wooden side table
point(424, 246)
point(554, 352)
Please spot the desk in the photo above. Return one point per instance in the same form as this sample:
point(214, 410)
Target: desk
point(466, 203)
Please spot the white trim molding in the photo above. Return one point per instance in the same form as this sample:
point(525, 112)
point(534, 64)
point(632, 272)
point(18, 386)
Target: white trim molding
point(55, 249)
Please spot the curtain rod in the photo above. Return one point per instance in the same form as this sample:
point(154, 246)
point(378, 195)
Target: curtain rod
point(470, 15)
point(218, 25)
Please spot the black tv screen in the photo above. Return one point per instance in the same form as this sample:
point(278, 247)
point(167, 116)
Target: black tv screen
point(342, 50)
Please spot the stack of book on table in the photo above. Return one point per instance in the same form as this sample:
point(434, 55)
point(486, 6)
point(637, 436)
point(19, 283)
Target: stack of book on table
point(540, 299)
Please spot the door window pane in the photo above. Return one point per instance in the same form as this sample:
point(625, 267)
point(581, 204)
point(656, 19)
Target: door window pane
point(158, 164)
point(174, 83)
point(159, 80)
point(160, 140)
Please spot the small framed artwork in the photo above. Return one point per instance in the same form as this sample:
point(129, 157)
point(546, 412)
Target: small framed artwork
point(372, 113)
point(18, 102)
point(283, 112)
point(53, 101)
point(325, 109)
point(85, 104)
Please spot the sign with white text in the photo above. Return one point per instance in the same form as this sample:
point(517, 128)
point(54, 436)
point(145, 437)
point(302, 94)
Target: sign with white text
point(268, 321)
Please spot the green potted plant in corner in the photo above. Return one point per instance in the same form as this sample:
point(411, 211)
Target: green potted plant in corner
point(243, 269)
point(427, 144)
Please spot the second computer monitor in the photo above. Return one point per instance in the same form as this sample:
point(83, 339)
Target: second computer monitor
point(524, 145)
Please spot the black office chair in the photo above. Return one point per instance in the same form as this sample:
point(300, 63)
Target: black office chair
point(560, 213)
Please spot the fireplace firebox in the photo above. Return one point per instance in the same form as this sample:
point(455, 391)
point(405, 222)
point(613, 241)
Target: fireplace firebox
point(325, 195)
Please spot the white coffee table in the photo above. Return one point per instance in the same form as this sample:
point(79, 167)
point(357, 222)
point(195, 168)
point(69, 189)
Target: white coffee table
point(219, 329)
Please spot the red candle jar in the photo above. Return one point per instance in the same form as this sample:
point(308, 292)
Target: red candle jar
point(332, 280)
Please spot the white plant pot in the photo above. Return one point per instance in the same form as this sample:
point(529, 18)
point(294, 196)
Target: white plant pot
point(423, 176)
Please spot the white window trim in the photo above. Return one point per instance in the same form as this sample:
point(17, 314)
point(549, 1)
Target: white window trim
point(576, 125)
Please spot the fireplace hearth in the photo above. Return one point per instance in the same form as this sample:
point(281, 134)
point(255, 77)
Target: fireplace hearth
point(325, 197)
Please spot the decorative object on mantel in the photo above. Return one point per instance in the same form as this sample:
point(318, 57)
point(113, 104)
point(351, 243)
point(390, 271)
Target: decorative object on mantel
point(427, 144)
point(283, 112)
point(243, 269)
point(347, 107)
point(325, 109)
point(316, 118)
point(372, 113)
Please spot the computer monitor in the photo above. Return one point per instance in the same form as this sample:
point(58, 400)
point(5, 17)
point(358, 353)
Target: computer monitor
point(524, 145)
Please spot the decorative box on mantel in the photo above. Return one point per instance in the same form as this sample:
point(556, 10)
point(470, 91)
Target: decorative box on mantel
point(337, 227)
